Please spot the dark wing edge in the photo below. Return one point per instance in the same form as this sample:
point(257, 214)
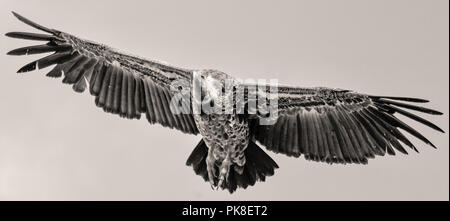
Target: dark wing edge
point(340, 126)
point(122, 84)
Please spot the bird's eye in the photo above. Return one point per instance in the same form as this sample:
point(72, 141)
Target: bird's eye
point(223, 89)
point(211, 103)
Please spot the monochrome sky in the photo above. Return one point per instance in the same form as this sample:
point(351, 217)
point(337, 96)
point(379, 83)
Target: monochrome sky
point(57, 145)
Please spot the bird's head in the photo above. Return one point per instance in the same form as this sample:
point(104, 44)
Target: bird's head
point(211, 88)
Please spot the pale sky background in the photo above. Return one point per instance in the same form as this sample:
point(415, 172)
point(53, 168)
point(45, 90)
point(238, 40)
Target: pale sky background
point(57, 145)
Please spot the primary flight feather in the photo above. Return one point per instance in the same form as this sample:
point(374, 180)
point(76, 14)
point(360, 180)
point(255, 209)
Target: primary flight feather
point(322, 124)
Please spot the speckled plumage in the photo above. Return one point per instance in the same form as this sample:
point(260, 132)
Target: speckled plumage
point(226, 135)
point(226, 138)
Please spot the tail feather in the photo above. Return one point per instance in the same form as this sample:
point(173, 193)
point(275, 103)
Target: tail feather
point(197, 159)
point(258, 165)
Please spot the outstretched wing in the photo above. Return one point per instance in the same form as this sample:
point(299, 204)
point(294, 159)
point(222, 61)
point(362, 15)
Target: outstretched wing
point(340, 126)
point(122, 84)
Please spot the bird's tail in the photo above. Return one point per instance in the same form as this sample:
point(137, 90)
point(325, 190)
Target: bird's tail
point(258, 165)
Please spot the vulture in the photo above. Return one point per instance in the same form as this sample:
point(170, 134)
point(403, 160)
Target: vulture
point(234, 118)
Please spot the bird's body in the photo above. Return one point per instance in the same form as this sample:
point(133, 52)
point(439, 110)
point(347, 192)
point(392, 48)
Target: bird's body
point(225, 134)
point(226, 138)
point(322, 124)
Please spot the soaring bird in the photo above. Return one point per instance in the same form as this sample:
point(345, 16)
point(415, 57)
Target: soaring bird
point(322, 124)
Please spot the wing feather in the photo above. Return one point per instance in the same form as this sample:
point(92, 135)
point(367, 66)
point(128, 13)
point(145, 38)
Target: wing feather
point(340, 126)
point(39, 49)
point(122, 84)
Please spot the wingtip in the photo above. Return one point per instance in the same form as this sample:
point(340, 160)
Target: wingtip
point(33, 24)
point(434, 112)
point(431, 144)
point(17, 15)
point(29, 67)
point(20, 71)
point(440, 130)
point(419, 100)
point(407, 99)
